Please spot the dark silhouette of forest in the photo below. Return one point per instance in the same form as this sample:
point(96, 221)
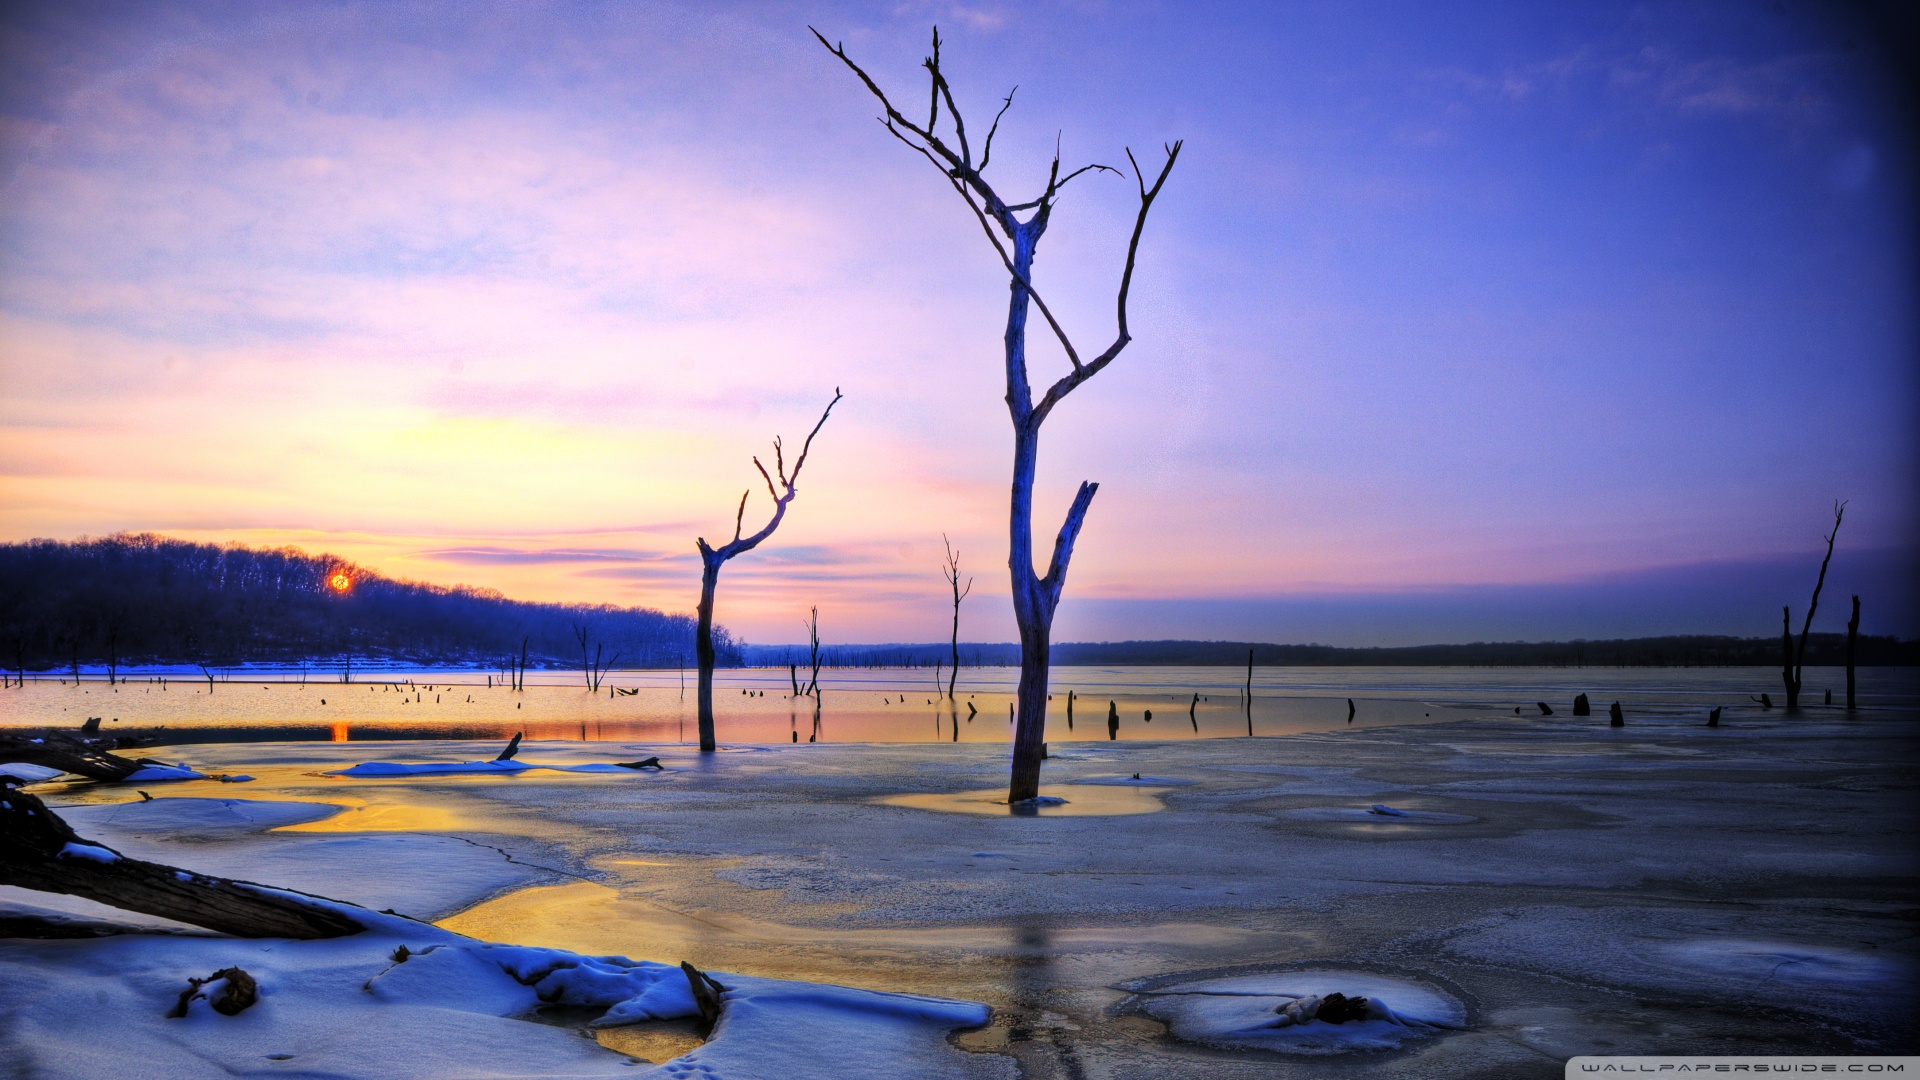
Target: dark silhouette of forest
point(143, 598)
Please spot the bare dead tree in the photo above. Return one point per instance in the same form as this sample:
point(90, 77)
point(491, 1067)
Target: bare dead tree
point(951, 570)
point(592, 669)
point(813, 650)
point(1791, 658)
point(1853, 633)
point(712, 559)
point(1035, 597)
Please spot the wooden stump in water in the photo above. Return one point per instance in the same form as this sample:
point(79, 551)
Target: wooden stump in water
point(1615, 718)
point(1581, 707)
point(706, 995)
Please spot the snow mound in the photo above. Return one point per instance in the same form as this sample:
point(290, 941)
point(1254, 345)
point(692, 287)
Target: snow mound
point(200, 818)
point(1245, 1011)
point(153, 772)
point(32, 774)
point(411, 1000)
point(629, 990)
point(445, 768)
point(1396, 817)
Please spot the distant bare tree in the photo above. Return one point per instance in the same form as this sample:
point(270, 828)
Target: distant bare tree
point(1035, 597)
point(813, 650)
point(1791, 658)
point(590, 666)
point(712, 559)
point(951, 570)
point(1853, 634)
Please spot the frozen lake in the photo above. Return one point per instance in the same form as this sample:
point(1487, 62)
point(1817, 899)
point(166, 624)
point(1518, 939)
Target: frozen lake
point(757, 706)
point(1550, 886)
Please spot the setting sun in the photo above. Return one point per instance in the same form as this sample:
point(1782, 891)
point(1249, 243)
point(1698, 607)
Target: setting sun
point(340, 582)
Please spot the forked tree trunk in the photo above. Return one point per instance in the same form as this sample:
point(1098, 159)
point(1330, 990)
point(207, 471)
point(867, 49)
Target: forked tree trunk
point(1035, 597)
point(712, 558)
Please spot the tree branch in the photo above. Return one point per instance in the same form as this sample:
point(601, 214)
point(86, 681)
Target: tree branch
point(1056, 578)
point(780, 501)
point(763, 474)
point(1066, 384)
point(986, 152)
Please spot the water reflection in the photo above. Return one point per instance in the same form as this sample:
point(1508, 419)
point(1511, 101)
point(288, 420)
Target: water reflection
point(866, 706)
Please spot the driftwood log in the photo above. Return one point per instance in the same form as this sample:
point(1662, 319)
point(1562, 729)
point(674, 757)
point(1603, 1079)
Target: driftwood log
point(69, 755)
point(40, 851)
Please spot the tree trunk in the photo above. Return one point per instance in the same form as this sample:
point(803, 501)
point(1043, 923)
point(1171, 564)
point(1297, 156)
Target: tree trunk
point(954, 675)
point(40, 851)
point(703, 652)
point(1787, 676)
point(1853, 632)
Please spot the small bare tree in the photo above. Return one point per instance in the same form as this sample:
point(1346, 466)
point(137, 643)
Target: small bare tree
point(590, 667)
point(813, 651)
point(952, 572)
point(1791, 659)
point(713, 558)
point(1035, 597)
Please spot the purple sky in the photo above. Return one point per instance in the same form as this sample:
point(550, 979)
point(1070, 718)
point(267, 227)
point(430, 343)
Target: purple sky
point(1517, 306)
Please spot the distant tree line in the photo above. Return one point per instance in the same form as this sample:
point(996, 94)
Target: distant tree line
point(143, 598)
point(1678, 651)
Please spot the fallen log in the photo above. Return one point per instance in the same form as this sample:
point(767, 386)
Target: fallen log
point(69, 755)
point(40, 851)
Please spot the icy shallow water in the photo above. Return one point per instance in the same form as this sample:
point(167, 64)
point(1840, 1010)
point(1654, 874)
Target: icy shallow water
point(756, 705)
point(1573, 888)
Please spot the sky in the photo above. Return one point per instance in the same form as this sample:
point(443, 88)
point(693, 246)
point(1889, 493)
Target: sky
point(1454, 321)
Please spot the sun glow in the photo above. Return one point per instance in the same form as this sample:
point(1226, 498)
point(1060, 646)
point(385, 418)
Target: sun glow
point(340, 582)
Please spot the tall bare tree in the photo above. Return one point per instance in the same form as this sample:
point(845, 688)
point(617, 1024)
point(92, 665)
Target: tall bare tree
point(1035, 597)
point(951, 570)
point(1791, 659)
point(713, 558)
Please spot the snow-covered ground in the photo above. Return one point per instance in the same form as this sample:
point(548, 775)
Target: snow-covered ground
point(1553, 887)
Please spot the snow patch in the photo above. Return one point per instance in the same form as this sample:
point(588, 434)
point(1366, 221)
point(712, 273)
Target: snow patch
point(1246, 1011)
point(445, 768)
point(153, 772)
point(1786, 963)
point(92, 852)
point(32, 774)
